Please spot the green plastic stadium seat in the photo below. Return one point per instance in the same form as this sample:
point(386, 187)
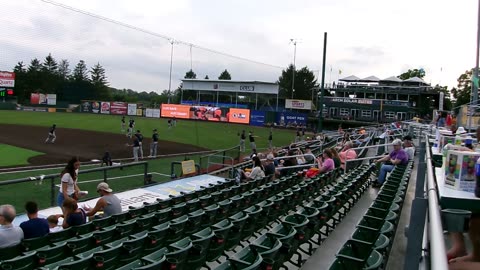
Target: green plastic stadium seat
point(179, 209)
point(355, 251)
point(156, 238)
point(145, 222)
point(118, 218)
point(221, 230)
point(11, 252)
point(286, 235)
point(81, 244)
point(193, 205)
point(201, 243)
point(163, 215)
point(83, 229)
point(100, 223)
point(235, 234)
point(105, 235)
point(125, 228)
point(254, 212)
point(150, 207)
point(74, 264)
point(246, 258)
point(51, 254)
point(107, 259)
point(299, 222)
point(177, 229)
point(164, 203)
point(194, 223)
point(134, 212)
point(210, 215)
point(35, 243)
point(268, 246)
point(24, 262)
point(60, 236)
point(144, 265)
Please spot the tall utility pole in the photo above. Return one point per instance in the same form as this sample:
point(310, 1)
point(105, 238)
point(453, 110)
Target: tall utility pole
point(171, 65)
point(475, 74)
point(322, 86)
point(294, 41)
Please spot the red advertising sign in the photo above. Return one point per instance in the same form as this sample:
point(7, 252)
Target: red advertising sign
point(118, 108)
point(35, 98)
point(7, 79)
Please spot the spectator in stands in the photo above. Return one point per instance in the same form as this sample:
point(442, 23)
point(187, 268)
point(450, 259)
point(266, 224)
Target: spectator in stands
point(69, 187)
point(325, 162)
point(397, 157)
point(53, 223)
point(300, 157)
point(34, 226)
point(73, 216)
point(288, 162)
point(108, 202)
point(270, 165)
point(257, 171)
point(408, 146)
point(9, 234)
point(441, 119)
point(347, 153)
point(309, 156)
point(335, 157)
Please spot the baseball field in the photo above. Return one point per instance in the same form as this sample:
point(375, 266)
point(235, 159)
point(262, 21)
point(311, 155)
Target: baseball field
point(88, 136)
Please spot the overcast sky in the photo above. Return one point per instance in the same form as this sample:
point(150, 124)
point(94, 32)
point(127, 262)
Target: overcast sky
point(368, 37)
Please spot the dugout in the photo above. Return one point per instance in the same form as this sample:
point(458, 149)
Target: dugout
point(255, 94)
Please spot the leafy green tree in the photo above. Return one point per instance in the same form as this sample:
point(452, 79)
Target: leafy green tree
point(225, 75)
point(50, 66)
point(80, 73)
point(462, 93)
point(20, 82)
point(420, 73)
point(305, 83)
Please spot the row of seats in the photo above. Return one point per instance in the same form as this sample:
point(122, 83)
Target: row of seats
point(369, 245)
point(162, 211)
point(315, 215)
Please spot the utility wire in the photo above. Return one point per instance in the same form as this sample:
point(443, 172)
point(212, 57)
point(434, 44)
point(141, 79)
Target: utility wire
point(148, 32)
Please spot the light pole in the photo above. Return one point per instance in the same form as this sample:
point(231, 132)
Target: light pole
point(474, 93)
point(171, 65)
point(294, 41)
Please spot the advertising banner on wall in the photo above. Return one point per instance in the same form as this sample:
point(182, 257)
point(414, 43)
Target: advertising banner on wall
point(118, 108)
point(290, 118)
point(175, 110)
point(7, 79)
point(105, 108)
point(154, 113)
point(42, 99)
point(257, 118)
point(240, 116)
point(132, 109)
point(298, 104)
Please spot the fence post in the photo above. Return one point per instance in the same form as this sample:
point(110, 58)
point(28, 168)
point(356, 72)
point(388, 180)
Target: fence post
point(105, 176)
point(52, 191)
point(145, 170)
point(223, 159)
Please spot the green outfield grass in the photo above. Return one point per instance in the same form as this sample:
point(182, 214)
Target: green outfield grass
point(211, 135)
point(12, 155)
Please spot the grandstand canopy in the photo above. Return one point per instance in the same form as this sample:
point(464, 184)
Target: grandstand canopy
point(415, 80)
point(370, 79)
point(392, 79)
point(351, 78)
point(251, 87)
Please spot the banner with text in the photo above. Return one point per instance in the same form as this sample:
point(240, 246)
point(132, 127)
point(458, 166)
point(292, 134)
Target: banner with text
point(291, 118)
point(7, 79)
point(105, 107)
point(298, 104)
point(118, 108)
point(257, 118)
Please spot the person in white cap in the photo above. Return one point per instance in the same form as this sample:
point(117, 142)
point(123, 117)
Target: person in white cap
point(397, 157)
point(108, 202)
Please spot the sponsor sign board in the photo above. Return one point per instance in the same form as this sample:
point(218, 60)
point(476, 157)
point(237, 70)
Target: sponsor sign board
point(105, 107)
point(298, 104)
point(7, 79)
point(132, 109)
point(118, 108)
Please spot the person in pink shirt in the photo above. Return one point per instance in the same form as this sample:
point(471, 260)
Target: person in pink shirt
point(347, 154)
point(325, 163)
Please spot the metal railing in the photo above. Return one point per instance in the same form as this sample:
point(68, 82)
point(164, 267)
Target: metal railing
point(438, 257)
point(52, 177)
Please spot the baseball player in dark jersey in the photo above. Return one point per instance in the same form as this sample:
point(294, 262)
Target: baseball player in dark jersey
point(251, 138)
point(270, 139)
point(131, 124)
point(51, 134)
point(123, 124)
point(136, 147)
point(140, 141)
point(154, 144)
point(242, 141)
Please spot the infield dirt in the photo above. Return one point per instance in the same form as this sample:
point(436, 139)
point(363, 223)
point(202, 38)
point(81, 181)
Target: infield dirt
point(87, 145)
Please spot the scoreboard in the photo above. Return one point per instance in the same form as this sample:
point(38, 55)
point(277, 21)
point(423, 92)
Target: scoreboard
point(4, 92)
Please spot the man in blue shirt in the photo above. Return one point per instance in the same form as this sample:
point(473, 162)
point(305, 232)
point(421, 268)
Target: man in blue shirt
point(34, 226)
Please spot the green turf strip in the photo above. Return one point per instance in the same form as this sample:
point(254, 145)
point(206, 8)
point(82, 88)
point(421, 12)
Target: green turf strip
point(12, 155)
